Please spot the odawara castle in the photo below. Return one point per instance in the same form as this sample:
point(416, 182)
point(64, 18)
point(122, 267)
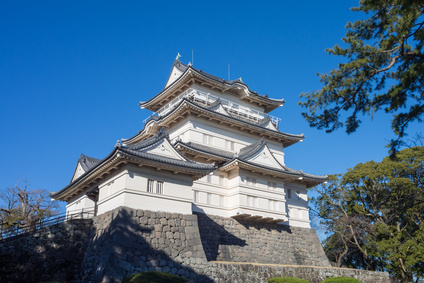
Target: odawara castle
point(202, 191)
point(210, 146)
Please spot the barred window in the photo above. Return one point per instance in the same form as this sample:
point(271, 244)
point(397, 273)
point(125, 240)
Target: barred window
point(159, 187)
point(154, 186)
point(150, 185)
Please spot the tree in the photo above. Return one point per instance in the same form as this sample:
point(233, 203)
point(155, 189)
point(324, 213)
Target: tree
point(375, 215)
point(384, 49)
point(23, 208)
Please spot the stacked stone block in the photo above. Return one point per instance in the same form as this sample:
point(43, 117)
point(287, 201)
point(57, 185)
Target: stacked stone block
point(260, 273)
point(53, 253)
point(227, 239)
point(125, 241)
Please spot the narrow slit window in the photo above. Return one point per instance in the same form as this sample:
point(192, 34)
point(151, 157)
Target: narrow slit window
point(159, 187)
point(150, 185)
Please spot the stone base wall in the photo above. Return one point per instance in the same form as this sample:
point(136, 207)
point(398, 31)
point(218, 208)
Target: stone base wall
point(227, 239)
point(227, 272)
point(124, 241)
point(53, 253)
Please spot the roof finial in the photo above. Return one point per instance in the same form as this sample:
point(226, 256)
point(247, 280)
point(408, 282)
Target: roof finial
point(178, 57)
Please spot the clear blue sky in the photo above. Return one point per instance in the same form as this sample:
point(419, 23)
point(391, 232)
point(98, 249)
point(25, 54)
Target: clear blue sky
point(72, 74)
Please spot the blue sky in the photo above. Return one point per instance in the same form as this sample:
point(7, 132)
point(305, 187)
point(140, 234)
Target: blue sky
point(72, 74)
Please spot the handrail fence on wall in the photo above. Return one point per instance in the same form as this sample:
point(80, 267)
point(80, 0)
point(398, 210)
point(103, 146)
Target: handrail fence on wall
point(11, 231)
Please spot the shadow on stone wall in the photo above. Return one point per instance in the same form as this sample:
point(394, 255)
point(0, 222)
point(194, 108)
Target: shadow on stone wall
point(215, 239)
point(126, 241)
point(52, 253)
point(228, 239)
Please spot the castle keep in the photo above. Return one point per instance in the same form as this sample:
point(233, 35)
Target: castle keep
point(209, 147)
point(201, 191)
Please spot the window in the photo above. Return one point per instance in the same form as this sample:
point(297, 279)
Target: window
point(221, 200)
point(152, 184)
point(272, 204)
point(159, 187)
point(298, 195)
point(251, 201)
point(229, 145)
point(209, 198)
point(196, 196)
point(209, 178)
point(288, 193)
point(207, 139)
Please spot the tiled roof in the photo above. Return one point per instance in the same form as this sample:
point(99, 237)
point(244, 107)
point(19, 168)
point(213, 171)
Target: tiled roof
point(88, 162)
point(134, 152)
point(188, 72)
point(182, 67)
point(207, 149)
point(264, 121)
point(135, 149)
point(245, 153)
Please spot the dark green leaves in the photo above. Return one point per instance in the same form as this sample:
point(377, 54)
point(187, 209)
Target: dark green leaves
point(385, 70)
point(375, 215)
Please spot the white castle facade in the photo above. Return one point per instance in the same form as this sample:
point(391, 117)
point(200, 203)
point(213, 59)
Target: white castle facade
point(209, 147)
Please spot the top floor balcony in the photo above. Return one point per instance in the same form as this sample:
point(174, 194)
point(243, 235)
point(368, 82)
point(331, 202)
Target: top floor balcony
point(206, 99)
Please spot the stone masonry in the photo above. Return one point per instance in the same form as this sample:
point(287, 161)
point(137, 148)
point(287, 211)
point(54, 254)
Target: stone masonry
point(54, 252)
point(227, 239)
point(199, 247)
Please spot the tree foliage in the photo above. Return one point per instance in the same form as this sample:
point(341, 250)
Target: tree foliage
point(375, 215)
point(384, 70)
point(23, 208)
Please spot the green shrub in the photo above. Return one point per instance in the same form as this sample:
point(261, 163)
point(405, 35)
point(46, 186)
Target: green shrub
point(287, 280)
point(340, 280)
point(154, 277)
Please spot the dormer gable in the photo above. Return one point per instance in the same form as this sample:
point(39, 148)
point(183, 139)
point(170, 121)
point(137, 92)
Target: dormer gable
point(267, 123)
point(84, 164)
point(177, 70)
point(219, 108)
point(158, 145)
point(259, 153)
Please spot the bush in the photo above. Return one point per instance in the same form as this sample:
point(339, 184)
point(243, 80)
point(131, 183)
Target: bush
point(340, 280)
point(287, 280)
point(154, 277)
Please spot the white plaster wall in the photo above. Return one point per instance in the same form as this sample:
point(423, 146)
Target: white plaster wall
point(81, 204)
point(129, 188)
point(222, 133)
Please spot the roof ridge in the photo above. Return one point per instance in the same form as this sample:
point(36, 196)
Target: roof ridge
point(251, 149)
point(160, 135)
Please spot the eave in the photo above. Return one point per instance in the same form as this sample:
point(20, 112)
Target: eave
point(113, 162)
point(186, 108)
point(192, 76)
point(289, 176)
point(196, 152)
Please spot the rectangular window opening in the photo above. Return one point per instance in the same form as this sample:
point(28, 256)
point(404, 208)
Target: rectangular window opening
point(159, 187)
point(150, 185)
